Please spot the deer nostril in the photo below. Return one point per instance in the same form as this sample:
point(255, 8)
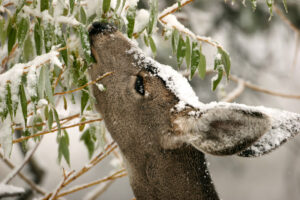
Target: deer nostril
point(101, 27)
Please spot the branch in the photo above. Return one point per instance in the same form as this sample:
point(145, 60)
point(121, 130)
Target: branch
point(114, 176)
point(94, 194)
point(89, 83)
point(35, 187)
point(10, 176)
point(54, 130)
point(286, 20)
point(236, 92)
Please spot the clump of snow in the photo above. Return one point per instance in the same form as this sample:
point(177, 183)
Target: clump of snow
point(141, 20)
point(6, 136)
point(100, 87)
point(132, 3)
point(10, 189)
point(175, 82)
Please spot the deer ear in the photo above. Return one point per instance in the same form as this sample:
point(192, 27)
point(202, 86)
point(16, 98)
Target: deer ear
point(223, 129)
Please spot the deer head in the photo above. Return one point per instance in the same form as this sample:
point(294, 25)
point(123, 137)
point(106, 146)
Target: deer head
point(163, 130)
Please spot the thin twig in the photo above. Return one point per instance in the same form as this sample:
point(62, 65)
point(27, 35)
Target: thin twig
point(33, 186)
point(236, 92)
point(108, 149)
point(54, 130)
point(115, 175)
point(286, 20)
point(10, 176)
point(172, 9)
point(94, 194)
point(253, 86)
point(89, 83)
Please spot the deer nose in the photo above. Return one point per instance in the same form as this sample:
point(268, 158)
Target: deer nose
point(101, 27)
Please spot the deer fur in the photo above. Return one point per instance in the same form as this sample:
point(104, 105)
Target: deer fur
point(162, 145)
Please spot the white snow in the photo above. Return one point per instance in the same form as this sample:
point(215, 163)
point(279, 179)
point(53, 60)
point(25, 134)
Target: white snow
point(132, 3)
point(10, 189)
point(6, 136)
point(141, 20)
point(175, 82)
point(100, 87)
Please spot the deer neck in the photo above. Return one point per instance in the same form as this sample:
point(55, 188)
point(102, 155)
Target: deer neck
point(172, 174)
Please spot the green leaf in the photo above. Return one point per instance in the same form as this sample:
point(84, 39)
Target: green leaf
point(146, 40)
point(91, 18)
point(84, 99)
point(3, 31)
point(175, 37)
point(85, 44)
point(254, 4)
point(65, 103)
point(28, 49)
point(23, 28)
point(81, 127)
point(131, 19)
point(225, 59)
point(61, 41)
point(63, 147)
point(188, 52)
point(153, 16)
point(285, 5)
point(12, 37)
point(82, 15)
point(38, 38)
point(23, 101)
point(48, 36)
point(105, 6)
point(270, 6)
point(202, 66)
point(37, 124)
point(88, 139)
point(50, 119)
point(41, 82)
point(152, 45)
point(195, 58)
point(72, 3)
point(44, 5)
point(217, 79)
point(57, 121)
point(48, 86)
point(180, 51)
point(9, 101)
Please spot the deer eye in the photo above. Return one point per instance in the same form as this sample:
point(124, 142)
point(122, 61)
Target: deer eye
point(139, 85)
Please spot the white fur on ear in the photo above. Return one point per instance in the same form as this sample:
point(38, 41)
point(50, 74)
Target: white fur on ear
point(284, 125)
point(223, 129)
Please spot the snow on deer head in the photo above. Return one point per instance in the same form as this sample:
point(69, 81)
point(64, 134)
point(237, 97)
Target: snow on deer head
point(153, 114)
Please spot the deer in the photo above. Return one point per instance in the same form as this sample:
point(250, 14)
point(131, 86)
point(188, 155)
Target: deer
point(163, 131)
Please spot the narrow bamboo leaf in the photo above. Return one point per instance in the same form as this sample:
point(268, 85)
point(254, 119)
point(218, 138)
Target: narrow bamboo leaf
point(41, 83)
point(81, 127)
point(82, 15)
point(50, 119)
point(91, 18)
point(12, 37)
point(9, 101)
point(195, 60)
point(48, 36)
point(180, 51)
point(285, 5)
point(153, 16)
point(48, 86)
point(44, 5)
point(57, 121)
point(131, 20)
point(152, 45)
point(270, 6)
point(254, 4)
point(38, 38)
point(23, 28)
point(2, 31)
point(87, 138)
point(19, 7)
point(146, 40)
point(175, 37)
point(64, 53)
point(85, 44)
point(23, 101)
point(188, 52)
point(65, 103)
point(63, 147)
point(38, 123)
point(217, 79)
point(84, 99)
point(28, 49)
point(105, 6)
point(202, 66)
point(225, 61)
point(72, 3)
